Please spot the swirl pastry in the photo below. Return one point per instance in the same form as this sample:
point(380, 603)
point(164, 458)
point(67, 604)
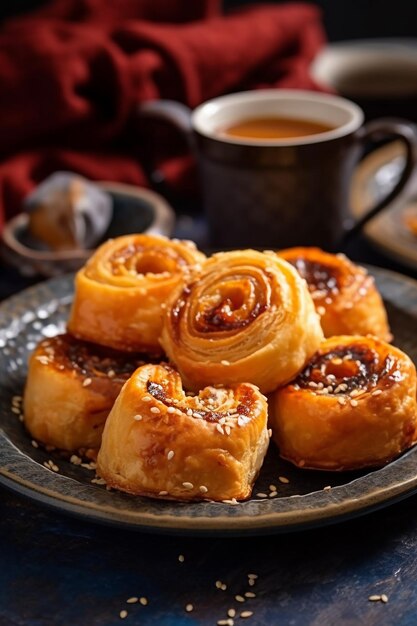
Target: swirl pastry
point(344, 294)
point(121, 291)
point(353, 406)
point(160, 442)
point(248, 317)
point(70, 389)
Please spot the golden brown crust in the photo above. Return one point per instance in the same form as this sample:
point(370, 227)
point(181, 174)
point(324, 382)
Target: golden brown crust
point(160, 442)
point(121, 292)
point(353, 406)
point(248, 317)
point(70, 389)
point(344, 294)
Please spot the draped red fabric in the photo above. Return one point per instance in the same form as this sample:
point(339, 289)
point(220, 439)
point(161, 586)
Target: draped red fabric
point(73, 72)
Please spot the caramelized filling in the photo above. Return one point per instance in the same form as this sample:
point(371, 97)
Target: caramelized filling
point(345, 369)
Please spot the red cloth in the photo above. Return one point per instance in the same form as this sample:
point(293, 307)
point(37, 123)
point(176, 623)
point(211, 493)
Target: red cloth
point(72, 73)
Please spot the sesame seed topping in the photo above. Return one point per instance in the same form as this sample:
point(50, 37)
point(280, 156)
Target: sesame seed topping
point(203, 489)
point(146, 399)
point(261, 495)
point(231, 613)
point(341, 401)
point(384, 598)
point(327, 488)
point(123, 614)
point(163, 493)
point(224, 362)
point(374, 598)
point(155, 410)
point(132, 600)
point(170, 455)
point(273, 494)
point(187, 485)
point(171, 409)
point(253, 576)
point(353, 403)
point(321, 310)
point(270, 432)
point(86, 382)
point(143, 601)
point(75, 460)
point(239, 598)
point(111, 373)
point(189, 608)
point(137, 418)
point(377, 392)
point(283, 479)
point(246, 614)
point(15, 410)
point(250, 594)
point(272, 487)
point(34, 443)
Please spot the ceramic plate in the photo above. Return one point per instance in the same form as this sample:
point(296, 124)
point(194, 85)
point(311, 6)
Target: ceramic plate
point(374, 178)
point(302, 502)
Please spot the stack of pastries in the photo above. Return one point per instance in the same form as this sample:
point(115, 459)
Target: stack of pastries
point(169, 356)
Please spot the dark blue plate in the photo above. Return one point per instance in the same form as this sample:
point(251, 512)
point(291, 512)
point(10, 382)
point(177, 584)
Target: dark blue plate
point(42, 310)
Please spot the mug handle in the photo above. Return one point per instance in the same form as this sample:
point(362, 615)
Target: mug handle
point(174, 113)
point(376, 130)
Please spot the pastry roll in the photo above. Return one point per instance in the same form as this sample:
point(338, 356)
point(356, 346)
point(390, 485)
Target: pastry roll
point(160, 442)
point(70, 389)
point(249, 317)
point(344, 294)
point(121, 291)
point(353, 406)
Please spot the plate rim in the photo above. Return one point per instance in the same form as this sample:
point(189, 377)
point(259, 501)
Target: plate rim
point(262, 523)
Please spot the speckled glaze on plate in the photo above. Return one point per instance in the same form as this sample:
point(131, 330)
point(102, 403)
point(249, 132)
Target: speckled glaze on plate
point(42, 310)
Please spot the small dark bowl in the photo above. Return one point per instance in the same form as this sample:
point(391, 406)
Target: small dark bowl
point(135, 210)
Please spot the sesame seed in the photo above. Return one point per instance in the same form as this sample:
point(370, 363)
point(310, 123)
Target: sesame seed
point(384, 598)
point(321, 310)
point(189, 608)
point(283, 479)
point(231, 613)
point(273, 494)
point(98, 481)
point(143, 601)
point(170, 455)
point(54, 467)
point(187, 485)
point(353, 403)
point(327, 488)
point(34, 443)
point(250, 594)
point(132, 600)
point(181, 558)
point(15, 410)
point(222, 622)
point(123, 614)
point(86, 382)
point(253, 576)
point(223, 587)
point(272, 487)
point(171, 409)
point(75, 460)
point(377, 392)
point(230, 501)
point(261, 495)
point(138, 417)
point(218, 584)
point(224, 362)
point(246, 614)
point(251, 582)
point(154, 409)
point(239, 598)
point(301, 463)
point(270, 432)
point(203, 489)
point(146, 399)
point(374, 598)
point(341, 401)
point(163, 493)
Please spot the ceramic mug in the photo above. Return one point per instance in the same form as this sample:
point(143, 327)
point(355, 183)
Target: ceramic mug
point(282, 192)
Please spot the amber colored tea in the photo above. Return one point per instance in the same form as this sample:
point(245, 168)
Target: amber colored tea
point(275, 128)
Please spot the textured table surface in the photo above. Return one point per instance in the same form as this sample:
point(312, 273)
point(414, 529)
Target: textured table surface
point(57, 571)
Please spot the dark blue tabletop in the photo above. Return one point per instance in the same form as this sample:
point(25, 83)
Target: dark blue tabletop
point(57, 571)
